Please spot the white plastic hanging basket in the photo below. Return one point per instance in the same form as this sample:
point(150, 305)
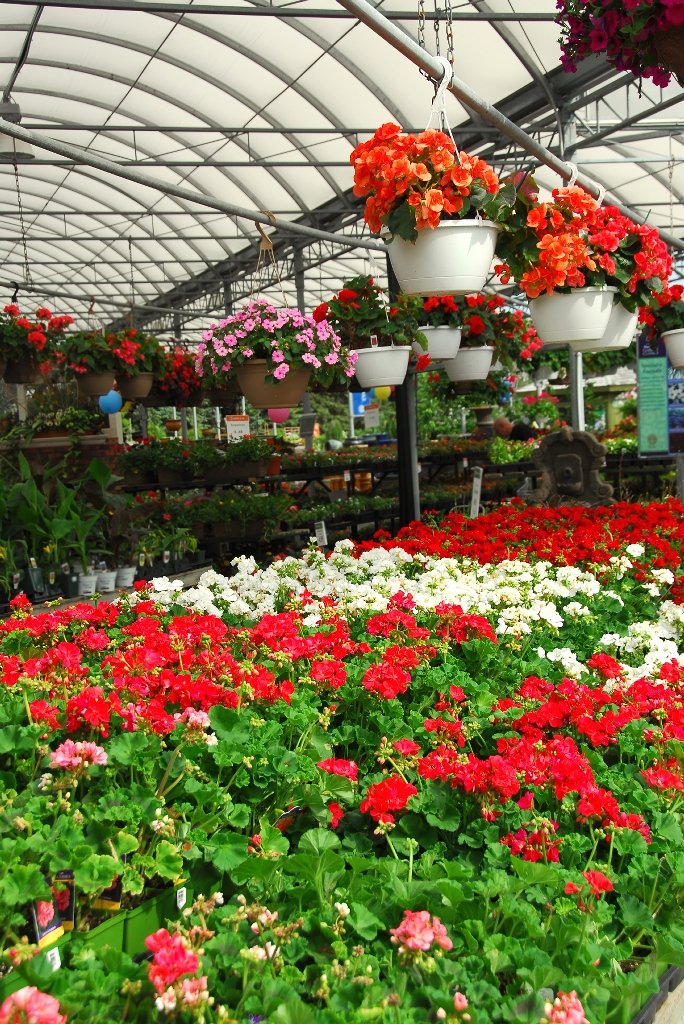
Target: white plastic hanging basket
point(674, 346)
point(470, 364)
point(383, 365)
point(443, 342)
point(618, 334)
point(579, 315)
point(452, 259)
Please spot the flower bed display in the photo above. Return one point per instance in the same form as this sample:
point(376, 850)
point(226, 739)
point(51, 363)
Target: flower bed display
point(416, 785)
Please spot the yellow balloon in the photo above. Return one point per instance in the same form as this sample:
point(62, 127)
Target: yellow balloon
point(382, 393)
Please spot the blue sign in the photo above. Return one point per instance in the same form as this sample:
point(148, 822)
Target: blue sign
point(360, 399)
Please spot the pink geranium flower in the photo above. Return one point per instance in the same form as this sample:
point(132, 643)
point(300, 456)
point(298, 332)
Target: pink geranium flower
point(31, 1006)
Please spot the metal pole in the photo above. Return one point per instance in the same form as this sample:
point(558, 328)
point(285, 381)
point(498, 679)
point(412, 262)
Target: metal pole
point(308, 419)
point(406, 45)
point(577, 391)
point(407, 434)
point(84, 156)
point(679, 463)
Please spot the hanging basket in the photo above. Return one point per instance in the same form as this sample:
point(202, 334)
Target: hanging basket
point(452, 259)
point(265, 394)
point(95, 384)
point(132, 388)
point(225, 395)
point(581, 314)
point(470, 364)
point(618, 334)
point(443, 342)
point(384, 365)
point(674, 346)
point(669, 46)
point(21, 370)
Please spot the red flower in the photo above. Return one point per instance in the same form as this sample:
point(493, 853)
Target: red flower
point(337, 813)
point(338, 766)
point(391, 794)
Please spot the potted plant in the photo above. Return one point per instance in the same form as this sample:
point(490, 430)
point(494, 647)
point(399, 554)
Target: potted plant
point(272, 352)
point(645, 37)
point(546, 249)
point(430, 199)
point(178, 383)
point(26, 344)
point(379, 332)
point(487, 329)
point(90, 355)
point(664, 318)
point(139, 359)
point(86, 539)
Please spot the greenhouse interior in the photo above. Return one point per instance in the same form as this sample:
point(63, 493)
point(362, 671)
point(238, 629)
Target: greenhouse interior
point(342, 512)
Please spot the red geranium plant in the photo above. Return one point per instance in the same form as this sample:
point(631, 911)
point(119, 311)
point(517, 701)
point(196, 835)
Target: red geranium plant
point(179, 379)
point(361, 310)
point(413, 181)
point(485, 320)
point(36, 336)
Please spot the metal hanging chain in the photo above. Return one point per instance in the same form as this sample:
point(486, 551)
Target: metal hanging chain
point(449, 32)
point(22, 227)
point(131, 313)
point(436, 27)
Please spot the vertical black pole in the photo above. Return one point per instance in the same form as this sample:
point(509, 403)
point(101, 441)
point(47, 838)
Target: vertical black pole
point(407, 439)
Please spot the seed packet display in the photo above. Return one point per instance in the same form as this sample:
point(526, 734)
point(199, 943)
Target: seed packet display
point(64, 895)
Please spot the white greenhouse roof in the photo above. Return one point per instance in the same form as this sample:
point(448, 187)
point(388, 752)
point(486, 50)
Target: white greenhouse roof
point(260, 106)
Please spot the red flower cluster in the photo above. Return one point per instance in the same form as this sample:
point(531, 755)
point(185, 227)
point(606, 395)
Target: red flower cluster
point(382, 798)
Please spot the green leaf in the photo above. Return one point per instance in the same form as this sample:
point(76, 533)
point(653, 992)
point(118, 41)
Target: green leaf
point(318, 840)
point(96, 873)
point(636, 914)
point(364, 922)
point(227, 850)
point(168, 862)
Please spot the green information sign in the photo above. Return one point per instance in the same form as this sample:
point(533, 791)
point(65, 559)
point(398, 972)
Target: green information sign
point(653, 408)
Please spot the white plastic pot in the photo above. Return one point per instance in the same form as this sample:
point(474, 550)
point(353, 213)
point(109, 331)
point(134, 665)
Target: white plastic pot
point(579, 315)
point(382, 365)
point(87, 584)
point(443, 342)
point(452, 259)
point(618, 334)
point(125, 576)
point(106, 582)
point(470, 364)
point(674, 346)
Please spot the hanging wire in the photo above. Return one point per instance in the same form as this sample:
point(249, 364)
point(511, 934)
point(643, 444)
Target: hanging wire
point(266, 262)
point(28, 281)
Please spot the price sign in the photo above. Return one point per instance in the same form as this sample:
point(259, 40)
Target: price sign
point(236, 427)
point(181, 897)
point(347, 476)
point(321, 533)
point(371, 416)
point(477, 492)
point(53, 958)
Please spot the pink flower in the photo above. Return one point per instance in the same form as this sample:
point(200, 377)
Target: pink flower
point(171, 959)
point(418, 932)
point(281, 371)
point(565, 1009)
point(73, 756)
point(31, 1006)
point(460, 1002)
point(45, 913)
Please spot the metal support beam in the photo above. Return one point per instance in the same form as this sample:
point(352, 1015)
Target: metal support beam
point(407, 434)
point(274, 10)
point(407, 46)
point(84, 156)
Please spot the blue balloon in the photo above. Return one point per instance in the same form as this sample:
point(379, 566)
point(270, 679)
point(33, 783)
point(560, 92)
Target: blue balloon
point(111, 402)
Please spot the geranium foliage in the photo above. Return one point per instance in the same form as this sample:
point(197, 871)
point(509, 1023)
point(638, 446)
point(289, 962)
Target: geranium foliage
point(434, 778)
